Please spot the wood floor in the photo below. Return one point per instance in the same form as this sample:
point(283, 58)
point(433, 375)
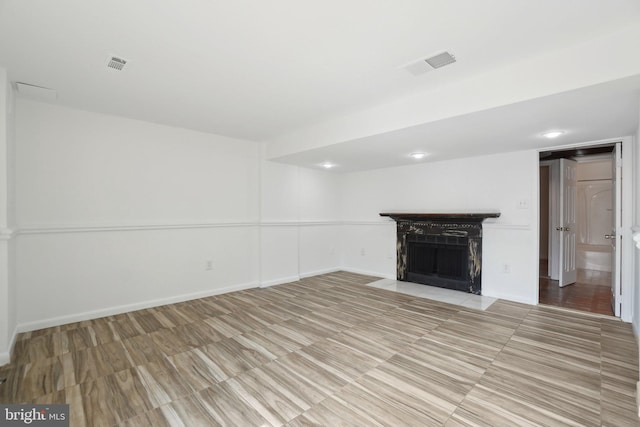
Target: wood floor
point(329, 351)
point(591, 292)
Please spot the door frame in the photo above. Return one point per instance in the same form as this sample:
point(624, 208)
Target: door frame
point(625, 233)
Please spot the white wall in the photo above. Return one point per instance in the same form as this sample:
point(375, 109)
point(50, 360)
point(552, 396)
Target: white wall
point(636, 229)
point(115, 214)
point(300, 222)
point(7, 243)
point(635, 319)
point(497, 182)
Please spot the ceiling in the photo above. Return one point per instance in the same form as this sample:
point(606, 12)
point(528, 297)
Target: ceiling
point(589, 114)
point(256, 70)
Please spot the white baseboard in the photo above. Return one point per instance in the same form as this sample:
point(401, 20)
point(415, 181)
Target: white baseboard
point(5, 357)
point(638, 397)
point(369, 273)
point(513, 298)
point(318, 272)
point(280, 281)
point(95, 314)
point(638, 383)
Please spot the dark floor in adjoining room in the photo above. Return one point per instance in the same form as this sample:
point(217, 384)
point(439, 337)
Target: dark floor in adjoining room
point(327, 351)
point(591, 292)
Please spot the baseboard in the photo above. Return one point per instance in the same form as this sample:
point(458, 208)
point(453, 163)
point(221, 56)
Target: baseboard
point(95, 314)
point(369, 273)
point(512, 298)
point(5, 357)
point(638, 397)
point(318, 272)
point(638, 383)
point(280, 281)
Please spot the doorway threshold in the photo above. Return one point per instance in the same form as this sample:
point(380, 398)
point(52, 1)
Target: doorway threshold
point(584, 313)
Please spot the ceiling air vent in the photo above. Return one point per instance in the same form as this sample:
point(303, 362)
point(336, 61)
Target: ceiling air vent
point(115, 63)
point(440, 60)
point(435, 61)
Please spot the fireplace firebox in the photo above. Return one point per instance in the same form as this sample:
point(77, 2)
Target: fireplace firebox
point(441, 249)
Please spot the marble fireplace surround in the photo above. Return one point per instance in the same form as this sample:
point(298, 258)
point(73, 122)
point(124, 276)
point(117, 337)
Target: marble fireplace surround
point(460, 231)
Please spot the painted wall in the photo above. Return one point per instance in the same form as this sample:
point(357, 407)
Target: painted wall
point(505, 182)
point(8, 319)
point(300, 222)
point(116, 214)
point(636, 229)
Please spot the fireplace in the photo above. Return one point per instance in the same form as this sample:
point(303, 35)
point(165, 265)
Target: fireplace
point(441, 249)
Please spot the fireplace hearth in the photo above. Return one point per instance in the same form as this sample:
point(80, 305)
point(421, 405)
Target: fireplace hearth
point(441, 249)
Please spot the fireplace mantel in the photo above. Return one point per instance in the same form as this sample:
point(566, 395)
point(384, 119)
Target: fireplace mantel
point(441, 248)
point(477, 216)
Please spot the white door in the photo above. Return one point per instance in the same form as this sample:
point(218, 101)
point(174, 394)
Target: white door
point(568, 222)
point(554, 220)
point(616, 255)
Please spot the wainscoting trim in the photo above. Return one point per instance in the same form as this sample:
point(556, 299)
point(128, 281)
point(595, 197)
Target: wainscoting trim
point(6, 233)
point(379, 222)
point(57, 229)
point(489, 225)
point(129, 227)
point(298, 223)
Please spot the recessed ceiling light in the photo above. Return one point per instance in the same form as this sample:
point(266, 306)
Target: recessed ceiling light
point(553, 134)
point(418, 155)
point(327, 165)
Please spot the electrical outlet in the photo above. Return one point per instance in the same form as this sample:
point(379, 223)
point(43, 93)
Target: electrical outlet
point(506, 268)
point(362, 252)
point(523, 204)
point(208, 265)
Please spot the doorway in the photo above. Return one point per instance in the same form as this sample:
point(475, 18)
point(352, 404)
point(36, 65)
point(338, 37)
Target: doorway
point(588, 287)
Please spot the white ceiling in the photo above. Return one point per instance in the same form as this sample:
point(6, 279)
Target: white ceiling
point(590, 114)
point(257, 69)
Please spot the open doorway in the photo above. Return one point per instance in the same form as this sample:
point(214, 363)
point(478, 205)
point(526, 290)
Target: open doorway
point(584, 248)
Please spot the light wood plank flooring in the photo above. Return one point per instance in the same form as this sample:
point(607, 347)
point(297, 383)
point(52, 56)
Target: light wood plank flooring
point(328, 351)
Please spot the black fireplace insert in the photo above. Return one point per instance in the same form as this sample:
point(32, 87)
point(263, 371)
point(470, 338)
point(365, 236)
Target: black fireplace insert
point(443, 250)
